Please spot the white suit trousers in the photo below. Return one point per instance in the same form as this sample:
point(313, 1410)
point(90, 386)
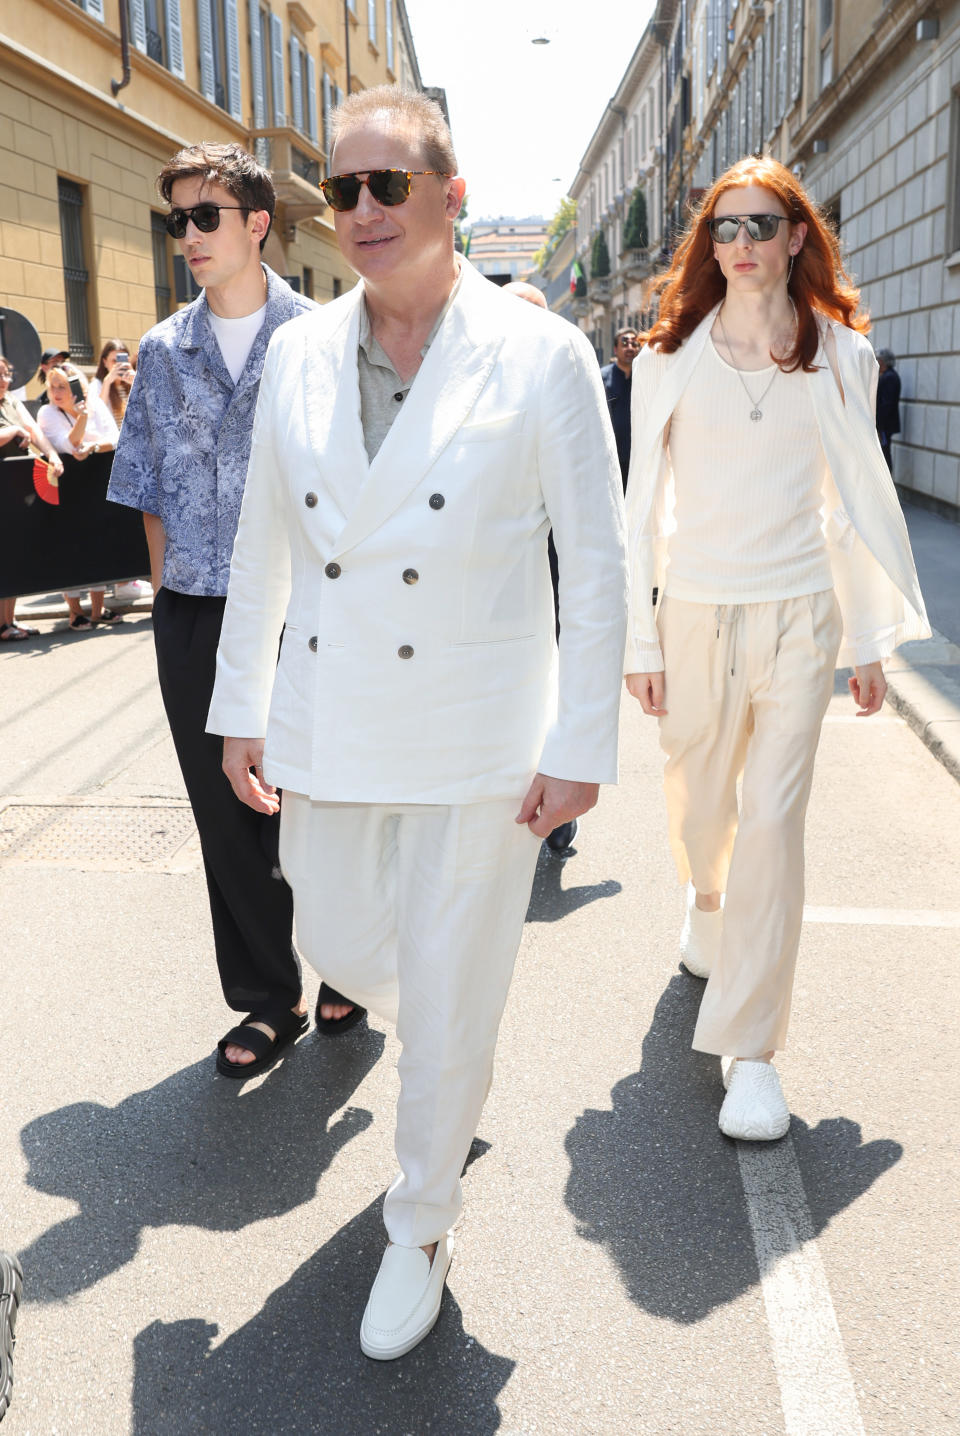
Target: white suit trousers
point(416, 912)
point(747, 686)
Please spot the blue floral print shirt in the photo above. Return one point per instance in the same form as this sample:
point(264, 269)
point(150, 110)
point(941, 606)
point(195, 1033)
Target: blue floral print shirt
point(185, 441)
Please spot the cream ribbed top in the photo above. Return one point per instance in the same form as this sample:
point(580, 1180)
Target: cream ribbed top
point(748, 493)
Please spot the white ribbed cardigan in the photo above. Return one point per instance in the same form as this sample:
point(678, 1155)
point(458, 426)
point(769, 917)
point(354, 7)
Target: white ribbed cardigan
point(865, 509)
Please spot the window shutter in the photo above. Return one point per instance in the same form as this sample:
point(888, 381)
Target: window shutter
point(94, 8)
point(796, 50)
point(783, 56)
point(175, 39)
point(758, 94)
point(388, 31)
point(327, 106)
point(256, 67)
point(276, 55)
point(138, 24)
point(296, 93)
point(312, 98)
point(337, 96)
point(372, 21)
point(205, 44)
point(234, 99)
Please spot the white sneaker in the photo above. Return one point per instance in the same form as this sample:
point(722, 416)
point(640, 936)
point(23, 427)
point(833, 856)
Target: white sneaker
point(754, 1109)
point(700, 936)
point(404, 1300)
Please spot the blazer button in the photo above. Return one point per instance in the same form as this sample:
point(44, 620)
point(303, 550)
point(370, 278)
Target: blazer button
point(405, 651)
point(310, 500)
point(437, 501)
point(333, 570)
point(410, 575)
point(313, 645)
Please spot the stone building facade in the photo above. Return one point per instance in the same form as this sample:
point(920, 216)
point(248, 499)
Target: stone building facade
point(862, 99)
point(83, 251)
point(504, 249)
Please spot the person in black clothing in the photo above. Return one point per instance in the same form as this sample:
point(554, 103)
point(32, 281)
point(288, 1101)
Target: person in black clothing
point(616, 381)
point(888, 402)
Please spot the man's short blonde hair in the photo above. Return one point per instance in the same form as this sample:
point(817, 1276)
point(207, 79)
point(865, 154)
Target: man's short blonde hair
point(421, 117)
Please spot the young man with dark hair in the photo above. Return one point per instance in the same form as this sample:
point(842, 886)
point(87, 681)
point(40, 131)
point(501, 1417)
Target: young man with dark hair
point(182, 460)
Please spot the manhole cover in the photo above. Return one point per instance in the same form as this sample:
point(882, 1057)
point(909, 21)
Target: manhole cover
point(118, 839)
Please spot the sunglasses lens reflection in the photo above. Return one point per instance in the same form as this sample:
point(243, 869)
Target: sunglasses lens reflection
point(388, 187)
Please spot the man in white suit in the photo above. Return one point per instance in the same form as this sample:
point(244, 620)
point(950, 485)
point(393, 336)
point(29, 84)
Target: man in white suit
point(414, 441)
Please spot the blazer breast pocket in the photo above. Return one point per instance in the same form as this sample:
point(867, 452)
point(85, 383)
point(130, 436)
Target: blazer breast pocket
point(503, 427)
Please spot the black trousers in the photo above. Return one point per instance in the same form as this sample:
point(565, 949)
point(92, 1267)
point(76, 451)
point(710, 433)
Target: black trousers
point(250, 904)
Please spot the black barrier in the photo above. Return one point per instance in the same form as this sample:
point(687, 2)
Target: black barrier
point(45, 548)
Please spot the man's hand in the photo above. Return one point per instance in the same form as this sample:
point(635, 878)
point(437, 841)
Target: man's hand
point(869, 688)
point(240, 755)
point(552, 801)
point(648, 689)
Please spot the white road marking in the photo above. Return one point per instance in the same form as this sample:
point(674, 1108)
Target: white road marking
point(816, 1388)
point(882, 916)
point(875, 718)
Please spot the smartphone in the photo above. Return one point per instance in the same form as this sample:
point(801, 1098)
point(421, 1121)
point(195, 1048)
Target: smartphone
point(76, 389)
point(123, 357)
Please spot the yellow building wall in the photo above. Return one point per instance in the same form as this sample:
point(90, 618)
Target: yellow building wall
point(60, 119)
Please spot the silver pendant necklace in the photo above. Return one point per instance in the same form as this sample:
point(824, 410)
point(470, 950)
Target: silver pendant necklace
point(756, 413)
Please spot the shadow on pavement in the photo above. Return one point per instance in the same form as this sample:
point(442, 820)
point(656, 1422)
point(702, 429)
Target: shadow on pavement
point(193, 1151)
point(550, 901)
point(657, 1184)
point(297, 1367)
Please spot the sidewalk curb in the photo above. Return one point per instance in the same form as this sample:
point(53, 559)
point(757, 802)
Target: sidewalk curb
point(927, 697)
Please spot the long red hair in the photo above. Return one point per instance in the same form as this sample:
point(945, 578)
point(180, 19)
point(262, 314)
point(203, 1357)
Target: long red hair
point(818, 284)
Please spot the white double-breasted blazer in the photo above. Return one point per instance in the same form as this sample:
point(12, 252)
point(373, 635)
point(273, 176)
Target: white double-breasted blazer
point(418, 660)
point(861, 508)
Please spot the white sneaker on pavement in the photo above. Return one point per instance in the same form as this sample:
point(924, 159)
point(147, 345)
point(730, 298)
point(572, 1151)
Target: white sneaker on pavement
point(754, 1109)
point(700, 936)
point(405, 1299)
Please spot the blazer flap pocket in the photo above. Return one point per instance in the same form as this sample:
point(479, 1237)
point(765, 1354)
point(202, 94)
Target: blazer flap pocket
point(500, 428)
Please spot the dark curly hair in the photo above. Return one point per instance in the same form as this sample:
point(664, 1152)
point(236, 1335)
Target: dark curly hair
point(227, 165)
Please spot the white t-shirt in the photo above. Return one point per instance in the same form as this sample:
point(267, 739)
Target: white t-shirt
point(235, 337)
point(101, 427)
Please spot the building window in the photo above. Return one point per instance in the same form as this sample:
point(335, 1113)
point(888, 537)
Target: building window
point(160, 242)
point(92, 7)
point(308, 282)
point(76, 277)
point(218, 37)
point(337, 289)
point(185, 287)
point(953, 177)
point(388, 33)
point(826, 42)
point(372, 22)
point(147, 22)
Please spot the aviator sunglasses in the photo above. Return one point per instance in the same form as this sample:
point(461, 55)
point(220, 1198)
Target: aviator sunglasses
point(388, 187)
point(758, 226)
point(206, 217)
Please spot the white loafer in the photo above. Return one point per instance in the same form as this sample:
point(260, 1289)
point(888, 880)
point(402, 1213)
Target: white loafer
point(404, 1300)
point(700, 936)
point(754, 1109)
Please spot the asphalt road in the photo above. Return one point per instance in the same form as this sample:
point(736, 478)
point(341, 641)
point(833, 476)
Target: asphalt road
point(197, 1253)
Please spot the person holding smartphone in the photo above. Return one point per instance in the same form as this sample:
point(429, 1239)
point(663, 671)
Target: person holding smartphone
point(79, 425)
point(114, 378)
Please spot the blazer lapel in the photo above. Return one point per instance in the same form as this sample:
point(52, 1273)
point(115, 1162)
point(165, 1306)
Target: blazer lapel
point(332, 396)
point(448, 384)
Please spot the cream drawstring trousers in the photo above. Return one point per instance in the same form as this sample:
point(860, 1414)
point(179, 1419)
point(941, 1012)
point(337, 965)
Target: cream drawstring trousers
point(747, 686)
point(416, 912)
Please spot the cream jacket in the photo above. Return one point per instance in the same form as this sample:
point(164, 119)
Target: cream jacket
point(419, 662)
point(862, 513)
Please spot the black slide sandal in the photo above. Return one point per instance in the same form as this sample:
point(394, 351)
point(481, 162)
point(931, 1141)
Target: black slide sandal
point(332, 1026)
point(286, 1024)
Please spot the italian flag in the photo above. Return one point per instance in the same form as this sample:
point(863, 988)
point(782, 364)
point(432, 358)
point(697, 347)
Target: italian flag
point(576, 274)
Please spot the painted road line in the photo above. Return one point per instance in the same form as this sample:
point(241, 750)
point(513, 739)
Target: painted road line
point(816, 1388)
point(882, 916)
